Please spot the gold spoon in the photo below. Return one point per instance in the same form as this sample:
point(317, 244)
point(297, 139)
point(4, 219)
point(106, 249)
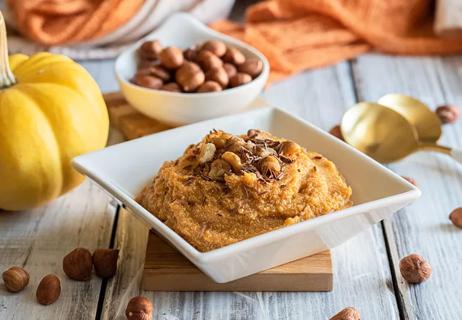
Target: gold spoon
point(385, 134)
point(425, 121)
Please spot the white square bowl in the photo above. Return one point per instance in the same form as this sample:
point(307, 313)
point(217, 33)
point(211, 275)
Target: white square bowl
point(125, 168)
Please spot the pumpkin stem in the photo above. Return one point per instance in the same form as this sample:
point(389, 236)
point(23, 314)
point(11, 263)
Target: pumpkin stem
point(6, 76)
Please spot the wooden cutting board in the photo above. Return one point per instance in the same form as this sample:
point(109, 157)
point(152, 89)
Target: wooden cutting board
point(166, 269)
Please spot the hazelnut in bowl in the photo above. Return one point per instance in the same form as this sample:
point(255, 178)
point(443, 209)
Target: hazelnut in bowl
point(185, 72)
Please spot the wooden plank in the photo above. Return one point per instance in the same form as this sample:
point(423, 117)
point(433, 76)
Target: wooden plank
point(39, 239)
point(166, 269)
point(361, 269)
point(424, 227)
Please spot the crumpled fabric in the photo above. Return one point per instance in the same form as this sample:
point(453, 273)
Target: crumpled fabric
point(296, 35)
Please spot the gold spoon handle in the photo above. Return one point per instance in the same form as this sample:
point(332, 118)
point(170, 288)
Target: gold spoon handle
point(456, 154)
point(435, 147)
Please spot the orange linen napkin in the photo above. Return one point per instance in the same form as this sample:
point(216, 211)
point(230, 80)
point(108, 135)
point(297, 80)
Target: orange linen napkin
point(52, 22)
point(297, 34)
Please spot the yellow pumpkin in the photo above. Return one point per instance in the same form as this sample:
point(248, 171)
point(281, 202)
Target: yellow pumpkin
point(51, 110)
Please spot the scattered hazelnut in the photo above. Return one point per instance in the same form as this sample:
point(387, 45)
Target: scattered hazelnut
point(208, 60)
point(105, 262)
point(48, 290)
point(218, 169)
point(147, 81)
point(207, 151)
point(230, 69)
point(239, 79)
point(139, 308)
point(252, 67)
point(209, 86)
point(171, 57)
point(171, 86)
point(270, 166)
point(349, 313)
point(289, 148)
point(415, 269)
point(456, 217)
point(15, 279)
point(234, 56)
point(448, 113)
point(218, 48)
point(190, 76)
point(337, 132)
point(150, 49)
point(233, 159)
point(78, 264)
point(410, 180)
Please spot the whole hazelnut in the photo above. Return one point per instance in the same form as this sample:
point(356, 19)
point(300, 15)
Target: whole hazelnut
point(289, 148)
point(78, 264)
point(209, 86)
point(456, 217)
point(252, 67)
point(15, 279)
point(159, 72)
point(48, 290)
point(448, 113)
point(270, 166)
point(230, 69)
point(147, 81)
point(410, 180)
point(218, 75)
point(189, 76)
point(415, 269)
point(234, 56)
point(150, 49)
point(239, 79)
point(171, 86)
point(349, 313)
point(105, 262)
point(190, 54)
point(171, 57)
point(336, 132)
point(218, 48)
point(146, 63)
point(208, 60)
point(139, 308)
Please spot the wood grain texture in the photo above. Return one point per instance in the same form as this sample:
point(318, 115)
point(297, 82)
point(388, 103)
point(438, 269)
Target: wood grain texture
point(166, 269)
point(424, 227)
point(361, 270)
point(39, 239)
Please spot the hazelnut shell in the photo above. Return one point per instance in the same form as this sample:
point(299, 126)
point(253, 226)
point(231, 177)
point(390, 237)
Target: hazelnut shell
point(171, 57)
point(456, 217)
point(78, 264)
point(15, 279)
point(415, 269)
point(105, 262)
point(48, 290)
point(348, 313)
point(139, 308)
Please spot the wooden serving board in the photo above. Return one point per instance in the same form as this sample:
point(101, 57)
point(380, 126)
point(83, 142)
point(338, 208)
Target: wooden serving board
point(166, 269)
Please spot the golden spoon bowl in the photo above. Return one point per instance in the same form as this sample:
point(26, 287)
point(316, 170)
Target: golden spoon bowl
point(425, 121)
point(383, 133)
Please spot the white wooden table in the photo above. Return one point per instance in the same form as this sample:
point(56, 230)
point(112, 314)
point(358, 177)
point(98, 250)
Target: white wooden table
point(366, 268)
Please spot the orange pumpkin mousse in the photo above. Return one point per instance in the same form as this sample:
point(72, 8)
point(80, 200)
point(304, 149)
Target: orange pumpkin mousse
point(228, 188)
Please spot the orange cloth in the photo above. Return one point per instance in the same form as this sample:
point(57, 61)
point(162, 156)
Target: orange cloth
point(53, 22)
point(298, 34)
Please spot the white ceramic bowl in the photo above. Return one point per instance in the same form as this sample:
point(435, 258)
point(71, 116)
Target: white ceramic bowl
point(183, 31)
point(125, 168)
